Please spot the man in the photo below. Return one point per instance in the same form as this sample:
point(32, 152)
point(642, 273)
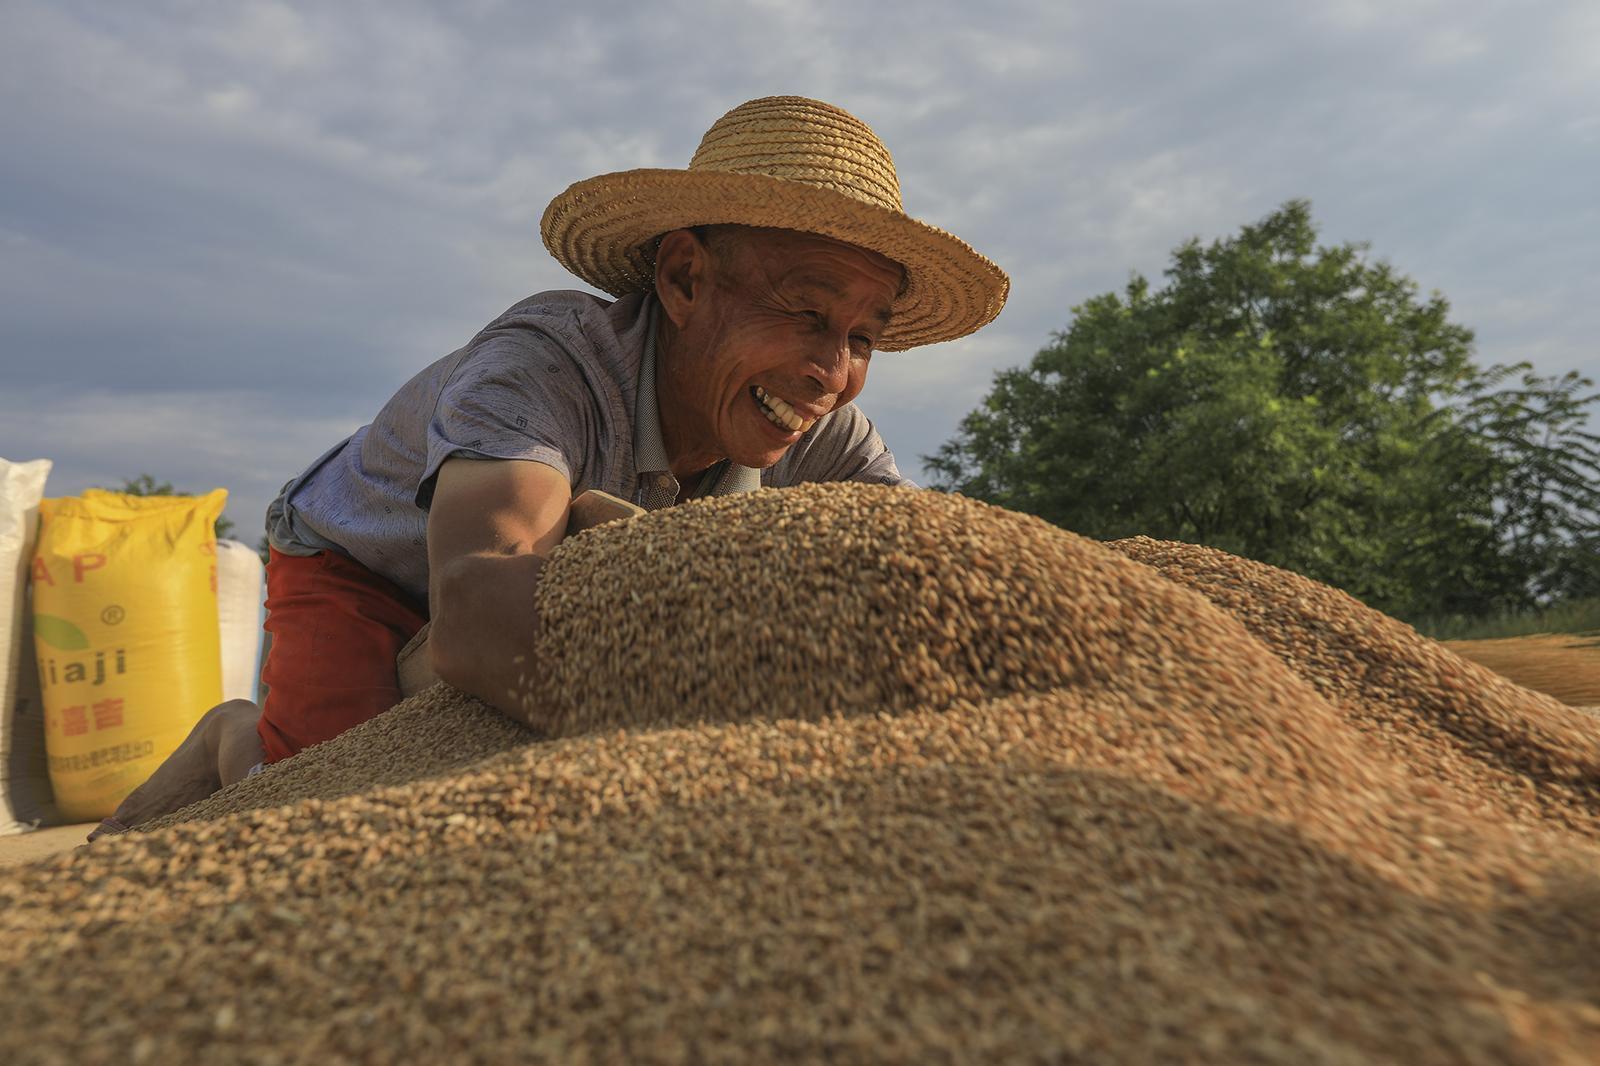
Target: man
point(753, 289)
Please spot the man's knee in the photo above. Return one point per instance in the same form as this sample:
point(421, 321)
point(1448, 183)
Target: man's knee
point(231, 735)
point(233, 709)
point(226, 718)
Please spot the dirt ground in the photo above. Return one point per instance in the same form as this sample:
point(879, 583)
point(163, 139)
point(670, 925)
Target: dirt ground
point(41, 844)
point(1566, 666)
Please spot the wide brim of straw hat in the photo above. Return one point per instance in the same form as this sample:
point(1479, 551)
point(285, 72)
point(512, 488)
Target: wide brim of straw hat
point(604, 230)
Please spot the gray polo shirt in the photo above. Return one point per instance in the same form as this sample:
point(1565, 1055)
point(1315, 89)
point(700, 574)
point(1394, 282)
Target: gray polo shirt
point(563, 378)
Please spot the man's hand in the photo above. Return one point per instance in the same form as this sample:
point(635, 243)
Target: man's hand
point(490, 526)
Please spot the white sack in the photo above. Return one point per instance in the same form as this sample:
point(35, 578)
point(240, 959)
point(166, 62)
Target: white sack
point(25, 797)
point(240, 591)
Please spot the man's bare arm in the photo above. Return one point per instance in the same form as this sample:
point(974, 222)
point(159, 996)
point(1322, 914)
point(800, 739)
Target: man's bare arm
point(491, 524)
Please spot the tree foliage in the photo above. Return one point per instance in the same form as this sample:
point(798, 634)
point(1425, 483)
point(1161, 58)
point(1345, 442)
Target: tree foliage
point(1547, 468)
point(1305, 406)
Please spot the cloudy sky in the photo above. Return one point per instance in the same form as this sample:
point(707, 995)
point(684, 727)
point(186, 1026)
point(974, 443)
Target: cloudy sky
point(228, 231)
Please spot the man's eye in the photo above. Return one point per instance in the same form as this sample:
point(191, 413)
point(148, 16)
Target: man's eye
point(860, 341)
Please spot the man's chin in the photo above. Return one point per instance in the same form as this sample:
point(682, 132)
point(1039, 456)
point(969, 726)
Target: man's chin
point(757, 446)
point(758, 453)
point(760, 460)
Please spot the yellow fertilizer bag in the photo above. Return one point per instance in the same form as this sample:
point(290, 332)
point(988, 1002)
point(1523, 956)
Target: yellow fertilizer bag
point(125, 628)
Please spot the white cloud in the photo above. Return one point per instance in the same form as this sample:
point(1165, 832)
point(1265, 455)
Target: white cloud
point(273, 33)
point(196, 440)
point(268, 204)
point(234, 102)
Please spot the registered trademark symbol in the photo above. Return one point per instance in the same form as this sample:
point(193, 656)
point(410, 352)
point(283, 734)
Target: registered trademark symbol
point(112, 615)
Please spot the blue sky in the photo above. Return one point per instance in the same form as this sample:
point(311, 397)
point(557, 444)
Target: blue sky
point(228, 231)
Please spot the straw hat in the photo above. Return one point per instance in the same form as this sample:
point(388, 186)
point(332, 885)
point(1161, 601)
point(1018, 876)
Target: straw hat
point(789, 163)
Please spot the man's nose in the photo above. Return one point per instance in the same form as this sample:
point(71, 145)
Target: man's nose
point(830, 365)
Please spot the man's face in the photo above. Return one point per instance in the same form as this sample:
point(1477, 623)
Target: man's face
point(783, 337)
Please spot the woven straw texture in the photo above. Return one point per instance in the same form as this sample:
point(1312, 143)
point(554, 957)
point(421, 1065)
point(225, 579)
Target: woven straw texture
point(789, 163)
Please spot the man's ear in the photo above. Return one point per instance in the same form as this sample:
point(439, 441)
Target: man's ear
point(683, 273)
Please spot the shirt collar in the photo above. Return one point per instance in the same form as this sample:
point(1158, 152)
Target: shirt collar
point(649, 450)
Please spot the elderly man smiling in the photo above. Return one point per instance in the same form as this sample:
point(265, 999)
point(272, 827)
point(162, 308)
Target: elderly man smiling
point(752, 289)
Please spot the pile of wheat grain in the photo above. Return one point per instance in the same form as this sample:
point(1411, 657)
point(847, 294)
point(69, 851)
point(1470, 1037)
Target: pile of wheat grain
point(861, 773)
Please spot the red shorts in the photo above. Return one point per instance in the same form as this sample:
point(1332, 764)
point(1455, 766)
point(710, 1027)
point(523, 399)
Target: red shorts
point(336, 629)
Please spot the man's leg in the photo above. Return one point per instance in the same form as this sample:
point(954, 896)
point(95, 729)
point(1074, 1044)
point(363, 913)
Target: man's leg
point(220, 750)
point(336, 630)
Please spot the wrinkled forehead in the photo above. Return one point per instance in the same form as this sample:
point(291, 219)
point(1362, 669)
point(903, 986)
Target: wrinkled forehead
point(835, 268)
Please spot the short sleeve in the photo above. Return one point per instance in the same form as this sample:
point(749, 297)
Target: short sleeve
point(513, 396)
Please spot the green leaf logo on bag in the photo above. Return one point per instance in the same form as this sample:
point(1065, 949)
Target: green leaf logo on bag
point(59, 633)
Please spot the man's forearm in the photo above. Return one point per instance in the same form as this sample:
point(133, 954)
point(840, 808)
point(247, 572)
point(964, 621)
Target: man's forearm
point(485, 627)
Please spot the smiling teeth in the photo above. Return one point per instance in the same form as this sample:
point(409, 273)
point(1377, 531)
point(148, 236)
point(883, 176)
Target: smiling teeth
point(779, 412)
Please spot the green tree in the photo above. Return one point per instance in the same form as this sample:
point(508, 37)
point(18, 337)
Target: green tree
point(1297, 404)
point(1548, 474)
